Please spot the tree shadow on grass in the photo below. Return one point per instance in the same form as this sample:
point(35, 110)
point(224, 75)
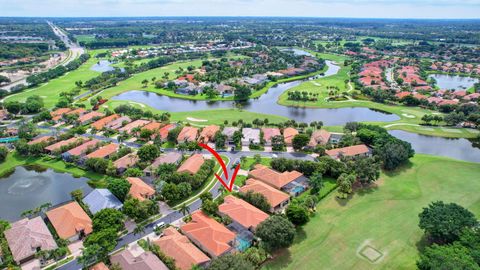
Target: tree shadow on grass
point(300, 236)
point(280, 259)
point(343, 201)
point(405, 167)
point(423, 243)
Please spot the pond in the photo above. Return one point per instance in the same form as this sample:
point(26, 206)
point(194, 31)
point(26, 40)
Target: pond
point(266, 104)
point(104, 66)
point(298, 52)
point(447, 82)
point(462, 149)
point(29, 187)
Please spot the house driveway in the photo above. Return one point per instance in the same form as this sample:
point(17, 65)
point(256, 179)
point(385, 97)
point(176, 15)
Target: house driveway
point(76, 248)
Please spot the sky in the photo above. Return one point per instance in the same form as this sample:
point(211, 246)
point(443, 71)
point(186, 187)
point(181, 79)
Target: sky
point(285, 8)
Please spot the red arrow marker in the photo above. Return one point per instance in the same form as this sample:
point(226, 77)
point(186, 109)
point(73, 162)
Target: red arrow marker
point(224, 168)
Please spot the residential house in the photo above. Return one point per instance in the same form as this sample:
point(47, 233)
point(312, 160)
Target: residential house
point(153, 127)
point(118, 123)
point(4, 115)
point(269, 133)
point(81, 149)
point(163, 132)
point(135, 124)
point(70, 221)
point(245, 214)
point(58, 113)
point(276, 198)
point(177, 246)
point(349, 151)
point(26, 237)
point(292, 182)
point(139, 189)
point(289, 133)
point(42, 139)
point(145, 261)
point(57, 146)
point(212, 237)
point(89, 117)
point(208, 133)
point(99, 124)
point(250, 136)
point(224, 89)
point(125, 162)
point(188, 134)
point(229, 131)
point(192, 165)
point(169, 158)
point(321, 137)
point(99, 266)
point(104, 152)
point(77, 111)
point(100, 199)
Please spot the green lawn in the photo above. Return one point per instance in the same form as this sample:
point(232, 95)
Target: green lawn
point(384, 217)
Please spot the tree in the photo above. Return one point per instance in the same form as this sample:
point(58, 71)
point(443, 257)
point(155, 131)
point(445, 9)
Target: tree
point(275, 232)
point(77, 195)
point(443, 223)
point(316, 183)
point(173, 134)
point(139, 210)
point(184, 209)
point(231, 262)
point(3, 153)
point(256, 199)
point(300, 141)
point(145, 83)
point(108, 218)
point(255, 255)
point(119, 188)
point(106, 239)
point(27, 131)
point(209, 207)
point(446, 257)
point(297, 214)
point(148, 152)
point(13, 107)
point(90, 255)
point(345, 182)
point(237, 137)
point(394, 153)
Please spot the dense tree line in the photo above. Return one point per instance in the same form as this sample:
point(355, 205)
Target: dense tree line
point(36, 79)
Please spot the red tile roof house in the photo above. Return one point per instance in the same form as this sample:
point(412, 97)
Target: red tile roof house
point(81, 149)
point(154, 127)
point(350, 151)
point(104, 152)
point(139, 189)
point(163, 132)
point(125, 162)
point(135, 124)
point(169, 158)
point(70, 221)
point(118, 123)
point(289, 133)
point(89, 117)
point(145, 261)
point(188, 134)
point(321, 137)
point(58, 113)
point(78, 111)
point(269, 133)
point(57, 146)
point(241, 212)
point(43, 139)
point(208, 134)
point(192, 165)
point(28, 236)
point(211, 236)
point(292, 182)
point(276, 198)
point(99, 266)
point(178, 247)
point(99, 124)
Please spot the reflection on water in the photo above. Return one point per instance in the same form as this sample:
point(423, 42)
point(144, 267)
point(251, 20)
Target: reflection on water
point(104, 66)
point(29, 187)
point(455, 82)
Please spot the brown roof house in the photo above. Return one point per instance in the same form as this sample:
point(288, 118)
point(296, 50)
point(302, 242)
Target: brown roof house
point(292, 182)
point(81, 149)
point(268, 134)
point(139, 189)
point(241, 212)
point(169, 158)
point(99, 124)
point(28, 236)
point(125, 162)
point(135, 124)
point(104, 152)
point(70, 221)
point(208, 134)
point(350, 151)
point(188, 134)
point(178, 247)
point(58, 145)
point(212, 237)
point(289, 133)
point(145, 261)
point(276, 198)
point(89, 117)
point(192, 165)
point(321, 137)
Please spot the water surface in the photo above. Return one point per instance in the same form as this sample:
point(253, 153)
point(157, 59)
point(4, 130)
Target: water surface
point(445, 81)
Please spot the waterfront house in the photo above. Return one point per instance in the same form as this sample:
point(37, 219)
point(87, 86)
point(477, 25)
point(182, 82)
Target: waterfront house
point(81, 149)
point(26, 237)
point(208, 234)
point(139, 189)
point(101, 198)
point(321, 137)
point(250, 136)
point(58, 145)
point(229, 131)
point(289, 133)
point(169, 158)
point(42, 139)
point(163, 132)
point(188, 134)
point(208, 134)
point(104, 152)
point(276, 198)
point(269, 133)
point(177, 246)
point(350, 151)
point(70, 221)
point(292, 182)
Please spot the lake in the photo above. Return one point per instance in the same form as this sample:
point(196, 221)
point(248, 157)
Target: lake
point(266, 104)
point(30, 187)
point(104, 66)
point(445, 81)
point(462, 149)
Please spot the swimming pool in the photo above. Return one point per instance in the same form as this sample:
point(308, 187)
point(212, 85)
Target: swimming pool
point(298, 189)
point(242, 244)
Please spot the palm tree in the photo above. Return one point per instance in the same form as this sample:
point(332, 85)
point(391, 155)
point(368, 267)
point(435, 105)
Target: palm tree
point(184, 209)
point(139, 229)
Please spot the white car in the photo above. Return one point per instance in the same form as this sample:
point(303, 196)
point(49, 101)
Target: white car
point(159, 225)
point(275, 156)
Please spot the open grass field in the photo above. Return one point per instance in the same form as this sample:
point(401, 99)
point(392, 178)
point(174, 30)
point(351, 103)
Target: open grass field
point(384, 218)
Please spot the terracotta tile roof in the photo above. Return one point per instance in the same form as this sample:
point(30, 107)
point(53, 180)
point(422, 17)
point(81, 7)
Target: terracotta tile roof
point(81, 149)
point(41, 139)
point(99, 266)
point(126, 161)
point(213, 237)
point(177, 246)
point(192, 164)
point(137, 123)
point(273, 178)
point(78, 111)
point(208, 133)
point(274, 196)
point(319, 137)
point(145, 261)
point(57, 114)
point(104, 151)
point(288, 134)
point(69, 219)
point(188, 134)
point(26, 235)
point(59, 144)
point(117, 123)
point(98, 125)
point(153, 126)
point(348, 151)
point(164, 130)
point(89, 116)
point(242, 212)
point(268, 133)
point(139, 189)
